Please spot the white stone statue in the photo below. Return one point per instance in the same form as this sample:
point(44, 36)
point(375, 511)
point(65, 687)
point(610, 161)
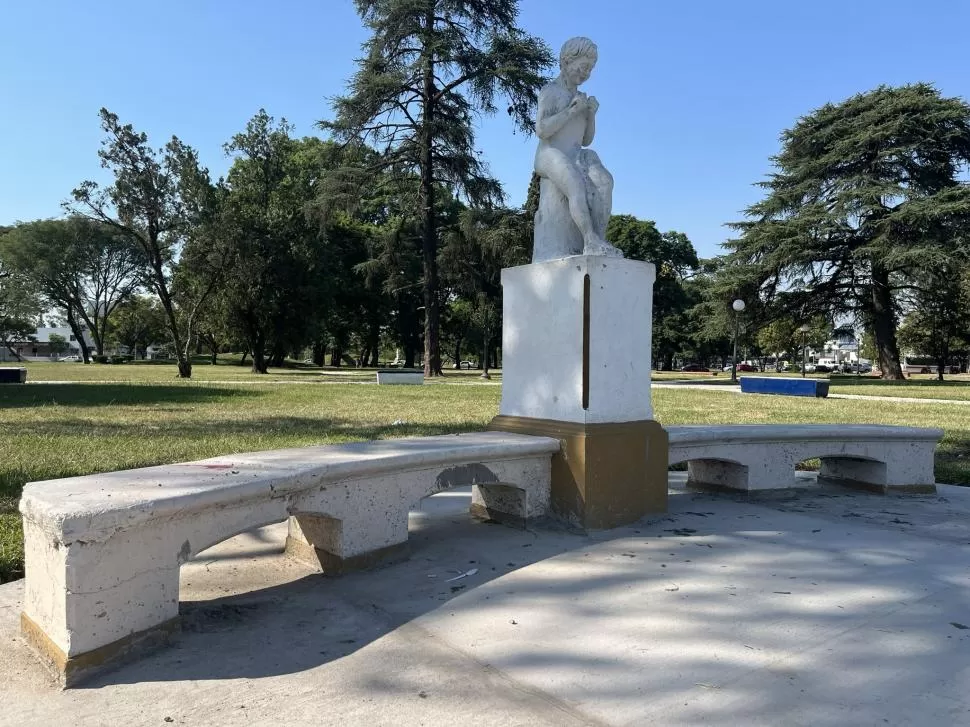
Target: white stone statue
point(575, 189)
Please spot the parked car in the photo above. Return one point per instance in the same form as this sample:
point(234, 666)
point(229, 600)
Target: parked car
point(468, 365)
point(742, 367)
point(694, 367)
point(73, 357)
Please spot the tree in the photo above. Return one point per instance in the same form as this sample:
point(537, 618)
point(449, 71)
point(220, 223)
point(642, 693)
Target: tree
point(477, 246)
point(57, 344)
point(20, 306)
point(87, 268)
point(429, 65)
point(938, 322)
point(783, 337)
point(279, 284)
point(865, 194)
point(138, 323)
point(155, 197)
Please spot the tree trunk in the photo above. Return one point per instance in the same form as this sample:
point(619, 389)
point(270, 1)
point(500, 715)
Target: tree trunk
point(242, 361)
point(79, 335)
point(429, 237)
point(184, 362)
point(884, 325)
point(486, 355)
point(458, 352)
point(260, 365)
point(941, 359)
point(13, 352)
point(373, 344)
point(409, 354)
point(336, 354)
point(319, 353)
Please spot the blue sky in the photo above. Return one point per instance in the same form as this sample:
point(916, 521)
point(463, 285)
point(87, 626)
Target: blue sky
point(693, 95)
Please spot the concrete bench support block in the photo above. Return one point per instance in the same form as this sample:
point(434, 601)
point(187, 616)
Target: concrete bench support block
point(103, 552)
point(760, 457)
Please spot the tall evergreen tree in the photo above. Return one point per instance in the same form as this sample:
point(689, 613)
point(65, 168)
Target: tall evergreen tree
point(865, 195)
point(428, 67)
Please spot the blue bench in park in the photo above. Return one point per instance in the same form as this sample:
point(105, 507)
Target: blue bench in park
point(787, 387)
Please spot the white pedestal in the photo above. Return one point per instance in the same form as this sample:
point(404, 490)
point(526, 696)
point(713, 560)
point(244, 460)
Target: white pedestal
point(576, 340)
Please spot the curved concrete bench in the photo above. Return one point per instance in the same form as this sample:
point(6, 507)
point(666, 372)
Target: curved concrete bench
point(103, 551)
point(762, 457)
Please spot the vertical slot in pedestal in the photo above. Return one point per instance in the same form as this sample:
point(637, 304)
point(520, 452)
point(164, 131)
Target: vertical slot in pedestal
point(586, 341)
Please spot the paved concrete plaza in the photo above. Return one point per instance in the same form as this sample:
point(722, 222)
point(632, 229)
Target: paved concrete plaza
point(826, 609)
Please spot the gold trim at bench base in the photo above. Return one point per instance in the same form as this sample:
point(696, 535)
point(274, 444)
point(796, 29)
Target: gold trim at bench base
point(879, 489)
point(714, 488)
point(483, 513)
point(72, 670)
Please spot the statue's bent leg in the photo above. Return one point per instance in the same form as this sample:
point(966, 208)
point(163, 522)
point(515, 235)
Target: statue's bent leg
point(600, 203)
point(565, 174)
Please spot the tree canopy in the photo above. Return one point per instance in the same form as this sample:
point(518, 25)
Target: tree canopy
point(865, 195)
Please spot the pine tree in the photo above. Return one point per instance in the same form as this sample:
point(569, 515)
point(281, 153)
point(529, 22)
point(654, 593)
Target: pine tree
point(428, 68)
point(866, 194)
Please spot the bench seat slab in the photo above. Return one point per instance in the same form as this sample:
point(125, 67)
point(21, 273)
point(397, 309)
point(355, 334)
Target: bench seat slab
point(102, 557)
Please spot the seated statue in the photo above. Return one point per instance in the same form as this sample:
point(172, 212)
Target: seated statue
point(575, 189)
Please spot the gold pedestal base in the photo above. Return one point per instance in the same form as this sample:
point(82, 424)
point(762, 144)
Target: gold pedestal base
point(606, 475)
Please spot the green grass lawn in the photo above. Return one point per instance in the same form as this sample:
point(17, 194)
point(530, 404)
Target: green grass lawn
point(146, 416)
point(917, 387)
point(150, 372)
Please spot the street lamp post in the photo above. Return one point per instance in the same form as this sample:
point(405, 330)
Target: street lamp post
point(738, 306)
point(804, 329)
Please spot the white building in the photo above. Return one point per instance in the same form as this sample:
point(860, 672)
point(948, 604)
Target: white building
point(38, 347)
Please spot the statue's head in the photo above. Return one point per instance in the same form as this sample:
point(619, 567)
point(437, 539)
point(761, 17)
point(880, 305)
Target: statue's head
point(577, 58)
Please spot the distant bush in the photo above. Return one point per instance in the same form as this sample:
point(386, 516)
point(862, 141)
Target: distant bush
point(100, 359)
point(121, 359)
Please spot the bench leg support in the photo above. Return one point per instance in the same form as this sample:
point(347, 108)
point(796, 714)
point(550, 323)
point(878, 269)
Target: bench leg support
point(713, 474)
point(89, 606)
point(322, 543)
point(504, 504)
point(910, 475)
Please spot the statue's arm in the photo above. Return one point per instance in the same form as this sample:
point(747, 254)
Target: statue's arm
point(549, 119)
point(591, 109)
point(590, 129)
